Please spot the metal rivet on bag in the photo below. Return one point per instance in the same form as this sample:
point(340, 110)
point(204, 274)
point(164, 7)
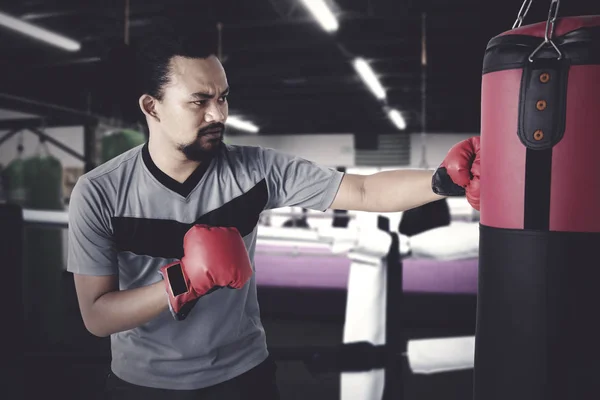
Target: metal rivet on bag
point(538, 135)
point(545, 77)
point(541, 105)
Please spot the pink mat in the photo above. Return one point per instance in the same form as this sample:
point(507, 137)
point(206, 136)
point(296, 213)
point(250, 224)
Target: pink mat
point(329, 271)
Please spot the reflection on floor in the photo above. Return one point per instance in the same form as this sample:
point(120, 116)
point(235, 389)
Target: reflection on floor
point(76, 368)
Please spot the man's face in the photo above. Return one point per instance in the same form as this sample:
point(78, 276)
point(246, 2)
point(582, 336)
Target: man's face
point(194, 108)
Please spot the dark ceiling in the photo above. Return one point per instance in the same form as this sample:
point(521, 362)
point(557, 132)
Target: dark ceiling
point(286, 73)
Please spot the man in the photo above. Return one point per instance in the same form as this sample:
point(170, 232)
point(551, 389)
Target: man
point(162, 237)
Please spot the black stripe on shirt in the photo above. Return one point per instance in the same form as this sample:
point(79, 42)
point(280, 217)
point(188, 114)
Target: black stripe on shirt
point(164, 238)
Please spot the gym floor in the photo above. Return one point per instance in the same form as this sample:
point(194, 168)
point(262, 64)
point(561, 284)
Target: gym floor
point(76, 368)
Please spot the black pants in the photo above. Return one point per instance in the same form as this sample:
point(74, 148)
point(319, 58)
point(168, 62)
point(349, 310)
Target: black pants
point(258, 383)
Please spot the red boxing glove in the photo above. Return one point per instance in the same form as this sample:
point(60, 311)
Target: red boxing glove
point(214, 257)
point(459, 173)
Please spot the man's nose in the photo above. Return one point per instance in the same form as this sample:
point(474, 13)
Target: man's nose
point(214, 114)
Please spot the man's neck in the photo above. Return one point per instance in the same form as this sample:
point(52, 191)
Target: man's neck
point(170, 160)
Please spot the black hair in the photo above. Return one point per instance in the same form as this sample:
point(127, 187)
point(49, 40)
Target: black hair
point(168, 39)
point(142, 67)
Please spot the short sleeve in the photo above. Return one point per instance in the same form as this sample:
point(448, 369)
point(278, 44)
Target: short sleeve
point(91, 247)
point(294, 181)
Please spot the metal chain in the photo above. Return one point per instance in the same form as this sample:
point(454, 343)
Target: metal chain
point(549, 32)
point(522, 13)
point(552, 14)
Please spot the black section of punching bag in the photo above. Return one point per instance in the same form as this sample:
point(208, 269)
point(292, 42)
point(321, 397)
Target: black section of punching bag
point(512, 51)
point(538, 176)
point(538, 337)
point(542, 115)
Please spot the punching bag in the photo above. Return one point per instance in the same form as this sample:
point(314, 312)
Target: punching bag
point(537, 335)
point(119, 142)
point(13, 177)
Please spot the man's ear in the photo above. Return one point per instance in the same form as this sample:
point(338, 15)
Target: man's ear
point(148, 106)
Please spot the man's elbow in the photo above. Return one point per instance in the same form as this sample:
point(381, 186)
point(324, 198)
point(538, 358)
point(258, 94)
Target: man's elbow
point(94, 323)
point(95, 328)
point(99, 332)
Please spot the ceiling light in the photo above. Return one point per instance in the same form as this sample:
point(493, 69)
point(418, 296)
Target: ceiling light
point(397, 119)
point(368, 76)
point(322, 14)
point(238, 123)
point(38, 33)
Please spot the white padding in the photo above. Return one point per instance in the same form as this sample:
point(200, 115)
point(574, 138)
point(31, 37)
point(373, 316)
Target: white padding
point(372, 243)
point(48, 217)
point(342, 240)
point(431, 356)
point(287, 234)
point(459, 240)
point(365, 310)
point(404, 244)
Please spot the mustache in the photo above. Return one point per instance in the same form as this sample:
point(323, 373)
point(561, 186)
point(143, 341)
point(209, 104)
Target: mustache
point(212, 127)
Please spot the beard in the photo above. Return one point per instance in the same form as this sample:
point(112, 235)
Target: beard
point(207, 144)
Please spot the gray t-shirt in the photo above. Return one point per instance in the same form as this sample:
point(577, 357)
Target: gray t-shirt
point(127, 217)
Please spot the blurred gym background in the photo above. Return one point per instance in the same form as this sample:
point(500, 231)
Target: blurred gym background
point(357, 85)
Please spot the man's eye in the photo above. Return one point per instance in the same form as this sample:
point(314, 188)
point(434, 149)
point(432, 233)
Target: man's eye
point(200, 102)
point(223, 99)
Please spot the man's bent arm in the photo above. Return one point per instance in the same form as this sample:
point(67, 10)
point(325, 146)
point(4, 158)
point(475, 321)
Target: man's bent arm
point(386, 191)
point(106, 310)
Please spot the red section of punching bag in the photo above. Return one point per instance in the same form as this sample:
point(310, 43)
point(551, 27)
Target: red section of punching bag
point(575, 187)
point(502, 153)
point(561, 27)
point(574, 191)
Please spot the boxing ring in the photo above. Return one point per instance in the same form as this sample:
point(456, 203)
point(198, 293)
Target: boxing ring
point(362, 277)
point(309, 280)
point(368, 277)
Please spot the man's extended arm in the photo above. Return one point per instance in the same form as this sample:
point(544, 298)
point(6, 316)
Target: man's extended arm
point(401, 190)
point(387, 191)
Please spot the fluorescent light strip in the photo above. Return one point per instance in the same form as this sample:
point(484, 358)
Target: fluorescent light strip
point(38, 33)
point(368, 76)
point(238, 123)
point(397, 119)
point(322, 14)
